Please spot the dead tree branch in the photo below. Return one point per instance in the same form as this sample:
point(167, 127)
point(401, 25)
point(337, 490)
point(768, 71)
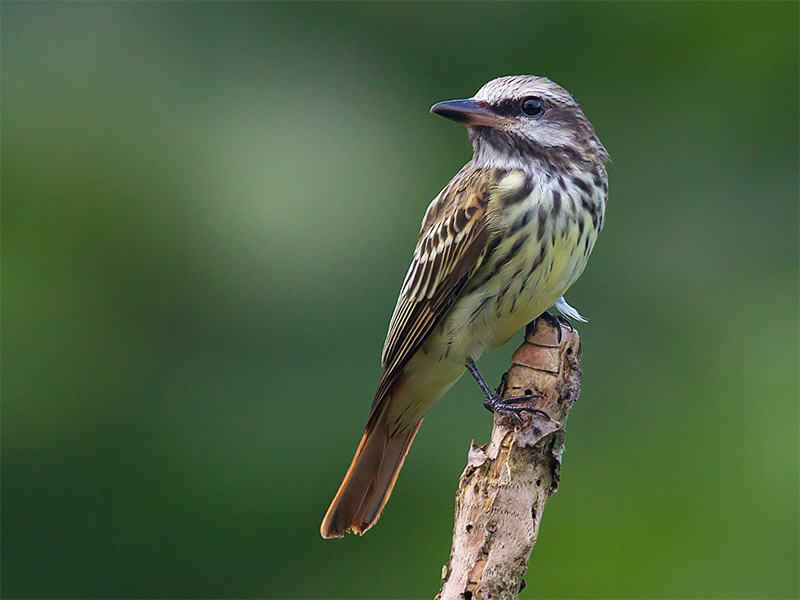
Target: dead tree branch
point(504, 488)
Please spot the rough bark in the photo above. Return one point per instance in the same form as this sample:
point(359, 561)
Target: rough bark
point(504, 488)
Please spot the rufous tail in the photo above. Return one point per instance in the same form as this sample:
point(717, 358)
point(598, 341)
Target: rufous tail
point(372, 474)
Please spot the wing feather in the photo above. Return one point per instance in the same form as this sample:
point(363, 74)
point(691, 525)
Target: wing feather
point(450, 247)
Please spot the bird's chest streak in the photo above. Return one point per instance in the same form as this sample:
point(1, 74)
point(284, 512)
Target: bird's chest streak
point(540, 247)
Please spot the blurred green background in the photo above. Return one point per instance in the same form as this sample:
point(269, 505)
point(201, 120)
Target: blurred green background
point(207, 212)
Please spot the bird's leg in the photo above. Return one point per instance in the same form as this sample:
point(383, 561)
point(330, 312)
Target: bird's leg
point(496, 403)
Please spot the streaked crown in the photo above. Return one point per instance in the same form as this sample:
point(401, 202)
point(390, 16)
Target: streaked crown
point(517, 87)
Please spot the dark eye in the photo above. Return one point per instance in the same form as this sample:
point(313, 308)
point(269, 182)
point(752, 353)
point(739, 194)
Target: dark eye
point(532, 106)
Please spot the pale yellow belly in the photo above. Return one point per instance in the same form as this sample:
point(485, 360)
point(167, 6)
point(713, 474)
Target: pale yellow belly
point(489, 316)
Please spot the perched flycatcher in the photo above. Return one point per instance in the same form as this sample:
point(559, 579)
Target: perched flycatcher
point(499, 245)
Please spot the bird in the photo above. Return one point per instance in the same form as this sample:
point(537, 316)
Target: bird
point(499, 245)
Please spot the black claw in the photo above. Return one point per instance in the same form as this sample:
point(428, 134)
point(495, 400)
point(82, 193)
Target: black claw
point(548, 316)
point(509, 407)
point(565, 320)
point(557, 321)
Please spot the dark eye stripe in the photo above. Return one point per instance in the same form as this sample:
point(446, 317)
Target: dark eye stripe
point(507, 108)
point(512, 107)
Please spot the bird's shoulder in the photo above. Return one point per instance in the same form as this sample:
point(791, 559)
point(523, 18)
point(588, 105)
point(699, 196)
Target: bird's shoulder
point(454, 221)
point(471, 192)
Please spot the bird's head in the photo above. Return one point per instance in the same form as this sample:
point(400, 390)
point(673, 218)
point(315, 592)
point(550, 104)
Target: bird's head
point(523, 117)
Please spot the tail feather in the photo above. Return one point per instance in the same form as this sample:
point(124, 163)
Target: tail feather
point(371, 477)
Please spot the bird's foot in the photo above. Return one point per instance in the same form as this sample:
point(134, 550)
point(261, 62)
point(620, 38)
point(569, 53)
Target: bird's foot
point(511, 407)
point(508, 407)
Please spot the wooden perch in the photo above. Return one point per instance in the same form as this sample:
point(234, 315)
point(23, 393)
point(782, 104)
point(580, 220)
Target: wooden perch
point(503, 490)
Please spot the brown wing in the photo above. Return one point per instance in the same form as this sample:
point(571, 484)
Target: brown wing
point(450, 247)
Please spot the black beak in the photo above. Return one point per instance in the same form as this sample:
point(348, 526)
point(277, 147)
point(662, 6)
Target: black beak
point(467, 112)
